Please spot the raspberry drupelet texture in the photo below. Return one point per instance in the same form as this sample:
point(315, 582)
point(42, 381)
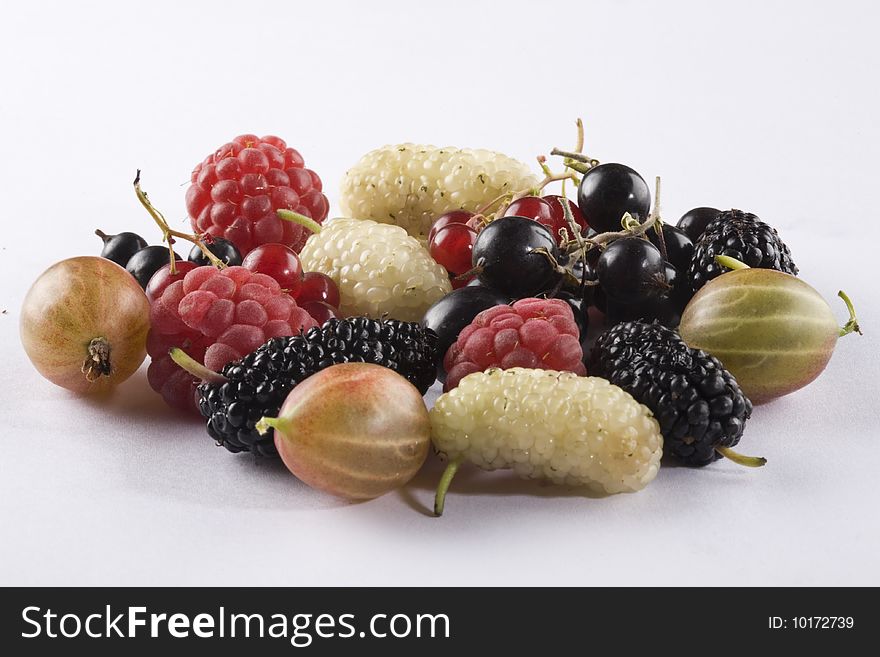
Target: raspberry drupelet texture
point(215, 316)
point(237, 189)
point(379, 269)
point(569, 429)
point(410, 185)
point(740, 235)
point(532, 333)
point(698, 403)
point(258, 384)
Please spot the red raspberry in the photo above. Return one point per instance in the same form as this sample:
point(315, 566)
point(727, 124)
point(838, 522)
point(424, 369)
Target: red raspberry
point(533, 333)
point(236, 190)
point(215, 316)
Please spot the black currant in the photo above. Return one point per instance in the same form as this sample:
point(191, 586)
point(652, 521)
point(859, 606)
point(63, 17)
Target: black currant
point(608, 191)
point(223, 249)
point(631, 270)
point(679, 247)
point(694, 222)
point(146, 262)
point(119, 248)
point(448, 316)
point(512, 254)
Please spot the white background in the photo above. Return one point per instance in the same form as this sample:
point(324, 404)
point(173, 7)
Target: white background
point(770, 107)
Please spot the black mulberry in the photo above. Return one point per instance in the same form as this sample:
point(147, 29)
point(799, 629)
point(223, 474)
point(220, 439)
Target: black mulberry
point(740, 235)
point(258, 384)
point(698, 403)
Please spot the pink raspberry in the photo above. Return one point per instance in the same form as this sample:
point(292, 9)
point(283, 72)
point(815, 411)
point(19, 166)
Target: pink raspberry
point(533, 333)
point(215, 316)
point(236, 190)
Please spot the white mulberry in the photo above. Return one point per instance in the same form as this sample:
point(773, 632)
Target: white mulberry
point(543, 424)
point(381, 271)
point(410, 185)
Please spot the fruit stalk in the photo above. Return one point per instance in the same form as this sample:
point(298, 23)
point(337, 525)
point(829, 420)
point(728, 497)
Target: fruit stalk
point(194, 367)
point(168, 234)
point(852, 325)
point(301, 219)
point(443, 486)
point(740, 459)
point(658, 222)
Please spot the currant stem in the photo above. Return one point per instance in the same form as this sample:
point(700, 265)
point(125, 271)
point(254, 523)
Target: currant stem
point(443, 486)
point(730, 263)
point(97, 363)
point(658, 221)
point(852, 325)
point(473, 271)
point(579, 145)
point(301, 219)
point(740, 459)
point(580, 158)
point(635, 229)
point(194, 367)
point(168, 234)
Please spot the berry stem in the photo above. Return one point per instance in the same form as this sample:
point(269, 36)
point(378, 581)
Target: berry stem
point(168, 234)
point(634, 229)
point(852, 325)
point(578, 146)
point(740, 459)
point(572, 158)
point(443, 486)
point(194, 367)
point(473, 271)
point(730, 263)
point(658, 221)
point(267, 423)
point(576, 232)
point(97, 363)
point(301, 219)
point(100, 233)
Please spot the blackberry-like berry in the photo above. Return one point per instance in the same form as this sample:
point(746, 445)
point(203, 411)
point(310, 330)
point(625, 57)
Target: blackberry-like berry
point(258, 384)
point(743, 236)
point(698, 403)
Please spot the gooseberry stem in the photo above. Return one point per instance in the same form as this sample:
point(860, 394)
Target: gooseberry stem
point(301, 219)
point(730, 263)
point(852, 325)
point(740, 459)
point(168, 234)
point(443, 486)
point(267, 423)
point(194, 367)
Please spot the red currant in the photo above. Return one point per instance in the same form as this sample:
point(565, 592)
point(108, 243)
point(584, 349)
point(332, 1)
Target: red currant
point(453, 247)
point(320, 311)
point(318, 287)
point(454, 217)
point(163, 278)
point(537, 209)
point(559, 213)
point(278, 261)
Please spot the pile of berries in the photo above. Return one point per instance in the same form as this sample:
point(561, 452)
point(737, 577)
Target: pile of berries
point(458, 265)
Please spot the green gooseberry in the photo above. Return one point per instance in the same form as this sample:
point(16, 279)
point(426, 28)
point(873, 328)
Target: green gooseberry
point(772, 331)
